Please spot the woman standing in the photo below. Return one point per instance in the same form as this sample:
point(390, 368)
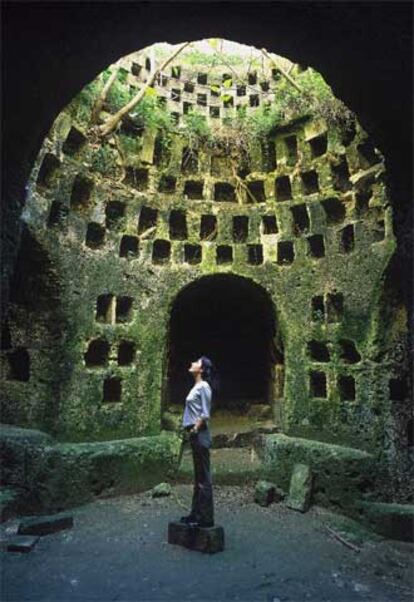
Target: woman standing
point(195, 422)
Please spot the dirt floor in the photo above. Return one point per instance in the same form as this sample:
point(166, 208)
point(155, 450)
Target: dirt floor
point(118, 550)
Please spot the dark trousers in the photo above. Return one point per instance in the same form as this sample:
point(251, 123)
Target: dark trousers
point(202, 504)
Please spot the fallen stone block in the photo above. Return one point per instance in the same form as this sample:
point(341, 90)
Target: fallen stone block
point(266, 492)
point(44, 525)
point(203, 539)
point(21, 543)
point(162, 489)
point(300, 490)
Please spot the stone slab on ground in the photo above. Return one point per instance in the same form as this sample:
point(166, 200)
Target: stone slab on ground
point(300, 489)
point(21, 543)
point(391, 520)
point(44, 525)
point(203, 539)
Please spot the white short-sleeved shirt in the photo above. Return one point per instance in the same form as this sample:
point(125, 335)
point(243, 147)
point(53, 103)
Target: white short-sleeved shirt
point(197, 403)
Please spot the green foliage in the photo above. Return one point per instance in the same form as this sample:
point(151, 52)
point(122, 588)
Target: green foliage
point(80, 107)
point(195, 128)
point(193, 56)
point(314, 99)
point(149, 114)
point(130, 145)
point(265, 120)
point(102, 160)
point(118, 96)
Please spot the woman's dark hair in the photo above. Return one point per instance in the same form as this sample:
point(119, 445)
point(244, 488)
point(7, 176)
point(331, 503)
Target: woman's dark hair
point(210, 374)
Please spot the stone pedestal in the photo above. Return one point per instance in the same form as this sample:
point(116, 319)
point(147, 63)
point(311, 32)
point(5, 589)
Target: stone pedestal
point(203, 539)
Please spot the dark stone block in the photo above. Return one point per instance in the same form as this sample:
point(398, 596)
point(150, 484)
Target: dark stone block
point(21, 543)
point(203, 539)
point(43, 525)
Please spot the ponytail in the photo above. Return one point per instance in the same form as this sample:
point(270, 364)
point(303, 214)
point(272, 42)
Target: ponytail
point(210, 374)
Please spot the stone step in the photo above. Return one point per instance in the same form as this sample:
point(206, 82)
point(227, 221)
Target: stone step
point(229, 466)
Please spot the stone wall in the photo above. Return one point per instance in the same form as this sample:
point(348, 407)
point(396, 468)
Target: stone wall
point(115, 229)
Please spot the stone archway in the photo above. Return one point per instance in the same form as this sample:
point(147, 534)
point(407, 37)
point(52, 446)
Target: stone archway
point(231, 319)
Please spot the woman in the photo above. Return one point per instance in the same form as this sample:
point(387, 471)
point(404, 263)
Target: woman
point(195, 422)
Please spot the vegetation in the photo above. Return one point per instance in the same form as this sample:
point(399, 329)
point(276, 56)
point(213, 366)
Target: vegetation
point(300, 95)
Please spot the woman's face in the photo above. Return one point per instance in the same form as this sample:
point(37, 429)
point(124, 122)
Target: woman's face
point(196, 367)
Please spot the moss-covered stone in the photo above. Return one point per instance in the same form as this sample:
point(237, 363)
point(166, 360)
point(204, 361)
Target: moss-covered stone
point(57, 476)
point(395, 521)
point(300, 488)
point(91, 271)
point(161, 490)
point(341, 474)
point(265, 493)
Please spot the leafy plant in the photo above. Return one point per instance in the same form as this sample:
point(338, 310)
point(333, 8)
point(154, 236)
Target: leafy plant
point(149, 114)
point(118, 96)
point(102, 160)
point(195, 128)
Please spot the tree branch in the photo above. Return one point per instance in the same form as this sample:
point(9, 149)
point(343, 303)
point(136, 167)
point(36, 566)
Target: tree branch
point(282, 71)
point(97, 107)
point(111, 123)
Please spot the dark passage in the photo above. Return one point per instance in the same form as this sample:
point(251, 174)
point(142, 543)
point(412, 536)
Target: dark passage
point(229, 319)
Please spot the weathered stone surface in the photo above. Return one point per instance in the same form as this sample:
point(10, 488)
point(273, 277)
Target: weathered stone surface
point(203, 539)
point(23, 435)
point(21, 543)
point(260, 410)
point(44, 525)
point(242, 439)
point(265, 493)
point(233, 466)
point(179, 534)
point(61, 476)
point(163, 489)
point(80, 251)
point(10, 500)
point(300, 490)
point(395, 521)
point(341, 474)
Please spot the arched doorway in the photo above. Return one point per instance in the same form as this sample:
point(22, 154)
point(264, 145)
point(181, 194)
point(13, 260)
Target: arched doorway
point(230, 319)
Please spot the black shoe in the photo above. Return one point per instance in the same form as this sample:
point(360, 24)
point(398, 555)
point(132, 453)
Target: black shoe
point(201, 523)
point(188, 519)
